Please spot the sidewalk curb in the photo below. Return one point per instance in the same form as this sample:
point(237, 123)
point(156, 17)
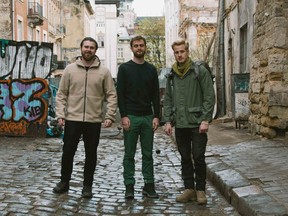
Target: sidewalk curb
point(246, 198)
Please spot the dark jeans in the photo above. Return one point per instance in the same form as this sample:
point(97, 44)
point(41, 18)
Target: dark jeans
point(140, 126)
point(72, 134)
point(190, 144)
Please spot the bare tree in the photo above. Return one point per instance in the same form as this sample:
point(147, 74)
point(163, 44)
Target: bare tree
point(153, 29)
point(205, 42)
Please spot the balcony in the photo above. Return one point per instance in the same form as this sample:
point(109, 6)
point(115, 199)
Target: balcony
point(61, 29)
point(35, 14)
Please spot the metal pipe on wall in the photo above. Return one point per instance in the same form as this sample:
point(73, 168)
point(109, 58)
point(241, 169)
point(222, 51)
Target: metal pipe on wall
point(12, 18)
point(222, 57)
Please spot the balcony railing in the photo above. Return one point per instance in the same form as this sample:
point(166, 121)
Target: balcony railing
point(35, 9)
point(35, 14)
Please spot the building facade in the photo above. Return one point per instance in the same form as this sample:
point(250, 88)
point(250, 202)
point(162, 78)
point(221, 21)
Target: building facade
point(24, 20)
point(125, 32)
point(194, 21)
point(6, 26)
point(268, 93)
point(232, 66)
point(251, 64)
point(172, 24)
point(56, 27)
point(124, 53)
point(76, 17)
point(104, 29)
point(127, 15)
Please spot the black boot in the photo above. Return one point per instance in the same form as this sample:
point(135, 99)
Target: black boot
point(87, 192)
point(149, 191)
point(61, 187)
point(129, 193)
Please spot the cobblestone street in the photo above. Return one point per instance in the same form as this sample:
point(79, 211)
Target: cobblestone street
point(30, 168)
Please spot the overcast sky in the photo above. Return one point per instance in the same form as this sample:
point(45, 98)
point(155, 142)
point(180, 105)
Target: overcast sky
point(148, 7)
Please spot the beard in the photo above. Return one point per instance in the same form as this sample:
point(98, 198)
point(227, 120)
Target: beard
point(87, 56)
point(139, 54)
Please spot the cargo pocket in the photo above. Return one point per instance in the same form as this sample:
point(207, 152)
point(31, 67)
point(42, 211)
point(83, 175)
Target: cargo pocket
point(194, 115)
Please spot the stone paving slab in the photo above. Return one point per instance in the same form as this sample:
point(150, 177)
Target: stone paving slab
point(252, 174)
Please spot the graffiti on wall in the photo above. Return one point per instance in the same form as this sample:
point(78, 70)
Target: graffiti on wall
point(24, 68)
point(25, 60)
point(242, 110)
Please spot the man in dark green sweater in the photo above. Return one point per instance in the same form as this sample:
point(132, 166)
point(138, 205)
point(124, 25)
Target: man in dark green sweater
point(139, 105)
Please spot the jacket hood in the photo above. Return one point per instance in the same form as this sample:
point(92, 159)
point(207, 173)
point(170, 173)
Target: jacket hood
point(96, 62)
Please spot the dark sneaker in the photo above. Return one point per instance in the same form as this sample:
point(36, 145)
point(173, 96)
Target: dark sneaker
point(149, 191)
point(129, 193)
point(87, 192)
point(61, 187)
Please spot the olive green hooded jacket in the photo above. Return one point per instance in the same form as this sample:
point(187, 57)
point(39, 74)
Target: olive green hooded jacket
point(190, 100)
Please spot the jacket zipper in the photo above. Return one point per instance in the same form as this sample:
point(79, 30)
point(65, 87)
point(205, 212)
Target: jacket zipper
point(84, 111)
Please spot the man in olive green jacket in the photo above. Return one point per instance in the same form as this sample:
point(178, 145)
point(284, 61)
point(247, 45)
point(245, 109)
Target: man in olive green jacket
point(188, 105)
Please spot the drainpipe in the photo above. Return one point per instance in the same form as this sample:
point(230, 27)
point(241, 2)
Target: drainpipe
point(61, 32)
point(12, 19)
point(222, 57)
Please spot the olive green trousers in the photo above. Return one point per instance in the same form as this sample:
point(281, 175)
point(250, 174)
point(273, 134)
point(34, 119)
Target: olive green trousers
point(141, 129)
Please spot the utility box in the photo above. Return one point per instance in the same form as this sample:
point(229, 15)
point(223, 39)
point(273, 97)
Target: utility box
point(240, 101)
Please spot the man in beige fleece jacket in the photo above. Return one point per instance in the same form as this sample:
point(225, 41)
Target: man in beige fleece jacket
point(83, 88)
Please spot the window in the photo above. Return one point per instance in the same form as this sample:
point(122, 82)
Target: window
point(45, 37)
point(19, 30)
point(243, 49)
point(120, 52)
point(44, 8)
point(30, 33)
point(100, 41)
point(100, 17)
point(37, 35)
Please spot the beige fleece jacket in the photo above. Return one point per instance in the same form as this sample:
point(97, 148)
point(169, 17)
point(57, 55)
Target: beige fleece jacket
point(82, 93)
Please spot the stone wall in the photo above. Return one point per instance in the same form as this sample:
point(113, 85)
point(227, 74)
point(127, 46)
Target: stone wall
point(5, 21)
point(74, 21)
point(269, 70)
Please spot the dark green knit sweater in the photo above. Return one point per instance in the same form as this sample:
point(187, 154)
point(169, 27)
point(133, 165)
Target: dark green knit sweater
point(138, 89)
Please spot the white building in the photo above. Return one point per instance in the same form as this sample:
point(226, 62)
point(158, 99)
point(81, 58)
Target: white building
point(172, 22)
point(125, 31)
point(127, 15)
point(103, 28)
point(189, 20)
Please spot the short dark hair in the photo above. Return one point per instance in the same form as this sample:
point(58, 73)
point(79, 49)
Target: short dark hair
point(89, 39)
point(136, 38)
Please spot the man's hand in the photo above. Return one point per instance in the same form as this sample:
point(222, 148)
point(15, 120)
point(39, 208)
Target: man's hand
point(168, 128)
point(125, 123)
point(61, 122)
point(203, 127)
point(155, 123)
point(107, 123)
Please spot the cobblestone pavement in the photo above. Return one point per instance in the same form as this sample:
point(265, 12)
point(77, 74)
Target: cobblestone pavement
point(251, 172)
point(30, 168)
